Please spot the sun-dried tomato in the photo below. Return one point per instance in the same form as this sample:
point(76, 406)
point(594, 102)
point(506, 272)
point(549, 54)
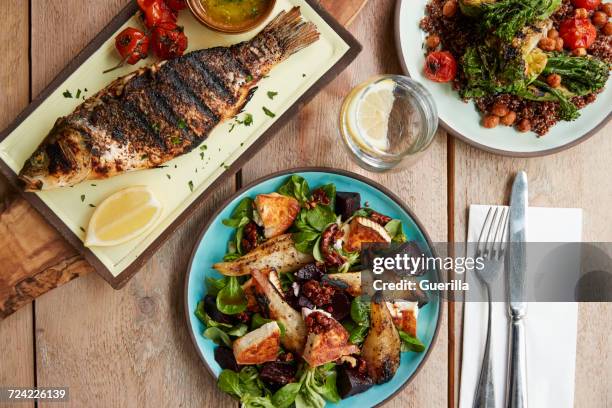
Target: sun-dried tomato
point(379, 218)
point(318, 323)
point(328, 239)
point(250, 238)
point(319, 294)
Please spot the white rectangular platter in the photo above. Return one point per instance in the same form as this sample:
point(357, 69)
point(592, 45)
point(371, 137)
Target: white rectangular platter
point(187, 180)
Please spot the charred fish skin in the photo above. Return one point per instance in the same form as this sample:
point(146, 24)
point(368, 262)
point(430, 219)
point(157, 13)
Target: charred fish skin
point(160, 112)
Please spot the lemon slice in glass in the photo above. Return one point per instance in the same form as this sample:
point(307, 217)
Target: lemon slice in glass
point(123, 216)
point(372, 114)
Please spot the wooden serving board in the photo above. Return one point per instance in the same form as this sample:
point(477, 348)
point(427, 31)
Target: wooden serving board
point(35, 258)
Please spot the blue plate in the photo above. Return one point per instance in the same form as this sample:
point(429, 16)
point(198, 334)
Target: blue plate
point(212, 246)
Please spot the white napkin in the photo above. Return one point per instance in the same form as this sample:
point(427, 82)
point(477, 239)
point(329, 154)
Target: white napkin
point(550, 327)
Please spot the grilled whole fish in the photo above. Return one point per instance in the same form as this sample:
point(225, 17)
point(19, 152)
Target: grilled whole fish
point(160, 112)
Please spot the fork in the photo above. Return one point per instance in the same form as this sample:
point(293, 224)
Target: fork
point(492, 249)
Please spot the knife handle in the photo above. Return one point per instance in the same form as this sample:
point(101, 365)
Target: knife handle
point(517, 381)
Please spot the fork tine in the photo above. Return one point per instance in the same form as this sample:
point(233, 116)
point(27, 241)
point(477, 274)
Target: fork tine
point(481, 242)
point(499, 233)
point(490, 238)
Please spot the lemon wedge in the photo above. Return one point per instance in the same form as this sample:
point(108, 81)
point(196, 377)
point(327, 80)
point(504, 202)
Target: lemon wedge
point(372, 114)
point(123, 216)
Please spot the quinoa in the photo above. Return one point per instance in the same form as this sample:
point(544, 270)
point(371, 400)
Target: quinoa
point(457, 34)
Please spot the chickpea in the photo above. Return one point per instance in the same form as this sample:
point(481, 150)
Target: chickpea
point(599, 19)
point(432, 41)
point(579, 52)
point(559, 44)
point(554, 80)
point(524, 126)
point(547, 44)
point(499, 109)
point(490, 121)
point(450, 8)
point(607, 29)
point(552, 33)
point(581, 13)
point(509, 119)
point(607, 8)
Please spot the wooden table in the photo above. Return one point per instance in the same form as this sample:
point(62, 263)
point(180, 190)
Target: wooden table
point(131, 347)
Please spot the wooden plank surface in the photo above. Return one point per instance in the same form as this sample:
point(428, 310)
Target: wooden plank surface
point(16, 332)
point(116, 348)
point(313, 140)
point(579, 177)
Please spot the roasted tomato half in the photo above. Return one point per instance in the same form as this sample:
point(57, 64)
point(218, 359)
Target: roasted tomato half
point(440, 66)
point(132, 44)
point(577, 33)
point(156, 12)
point(587, 4)
point(169, 41)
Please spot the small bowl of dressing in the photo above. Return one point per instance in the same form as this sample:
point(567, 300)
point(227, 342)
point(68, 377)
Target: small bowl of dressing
point(231, 16)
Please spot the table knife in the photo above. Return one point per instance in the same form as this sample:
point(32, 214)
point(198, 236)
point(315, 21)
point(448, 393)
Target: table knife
point(516, 267)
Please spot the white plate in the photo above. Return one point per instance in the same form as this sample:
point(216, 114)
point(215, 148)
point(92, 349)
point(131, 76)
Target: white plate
point(464, 121)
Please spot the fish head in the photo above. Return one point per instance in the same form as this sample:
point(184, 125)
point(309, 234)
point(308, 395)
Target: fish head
point(63, 159)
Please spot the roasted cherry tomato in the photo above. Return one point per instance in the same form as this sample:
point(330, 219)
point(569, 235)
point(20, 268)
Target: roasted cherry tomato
point(577, 33)
point(169, 41)
point(586, 4)
point(440, 66)
point(156, 12)
point(132, 44)
point(176, 5)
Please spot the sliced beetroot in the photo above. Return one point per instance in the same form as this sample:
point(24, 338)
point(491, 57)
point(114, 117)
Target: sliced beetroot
point(347, 203)
point(224, 356)
point(277, 374)
point(350, 381)
point(303, 301)
point(312, 271)
point(341, 305)
point(210, 306)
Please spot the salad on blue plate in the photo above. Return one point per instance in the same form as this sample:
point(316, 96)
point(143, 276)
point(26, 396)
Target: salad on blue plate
point(289, 316)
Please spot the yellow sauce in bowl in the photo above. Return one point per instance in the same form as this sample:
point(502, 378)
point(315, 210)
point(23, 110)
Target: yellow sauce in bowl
point(235, 13)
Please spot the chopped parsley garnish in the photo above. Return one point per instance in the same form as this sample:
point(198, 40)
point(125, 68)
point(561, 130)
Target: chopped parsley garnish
point(249, 78)
point(67, 94)
point(190, 184)
point(268, 112)
point(303, 75)
point(226, 167)
point(203, 147)
point(248, 119)
point(82, 197)
point(78, 94)
point(272, 94)
point(201, 155)
point(92, 206)
point(232, 126)
point(181, 124)
point(176, 140)
point(241, 144)
point(144, 157)
point(167, 175)
point(82, 229)
point(93, 185)
point(155, 127)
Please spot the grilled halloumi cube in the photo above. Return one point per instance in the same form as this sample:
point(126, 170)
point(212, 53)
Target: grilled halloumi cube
point(404, 315)
point(277, 212)
point(363, 230)
point(259, 346)
point(349, 281)
point(328, 345)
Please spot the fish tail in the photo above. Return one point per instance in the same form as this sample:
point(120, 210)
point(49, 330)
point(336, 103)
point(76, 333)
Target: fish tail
point(291, 31)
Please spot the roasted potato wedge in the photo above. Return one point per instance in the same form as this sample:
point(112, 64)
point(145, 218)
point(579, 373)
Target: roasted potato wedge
point(329, 345)
point(363, 230)
point(382, 346)
point(277, 212)
point(350, 281)
point(279, 310)
point(278, 253)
